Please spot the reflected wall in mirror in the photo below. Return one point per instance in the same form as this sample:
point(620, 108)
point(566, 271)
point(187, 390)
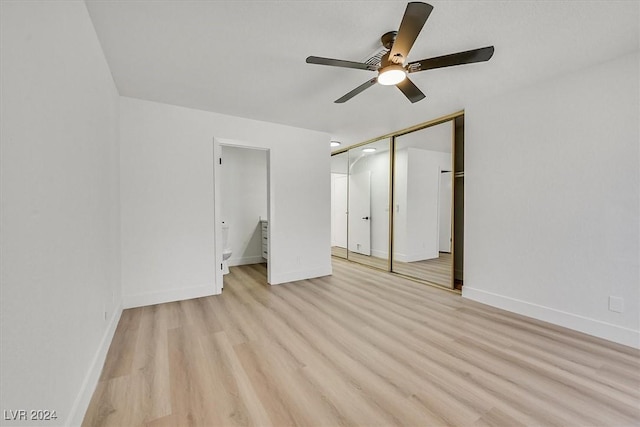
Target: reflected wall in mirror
point(368, 204)
point(339, 191)
point(422, 205)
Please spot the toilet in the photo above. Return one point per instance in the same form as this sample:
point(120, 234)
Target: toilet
point(226, 251)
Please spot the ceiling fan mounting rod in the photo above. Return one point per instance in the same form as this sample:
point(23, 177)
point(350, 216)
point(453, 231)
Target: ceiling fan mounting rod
point(388, 38)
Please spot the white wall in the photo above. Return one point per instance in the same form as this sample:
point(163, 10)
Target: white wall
point(444, 215)
point(423, 201)
point(421, 206)
point(400, 235)
point(60, 224)
point(167, 206)
point(552, 200)
point(244, 201)
point(416, 216)
point(339, 197)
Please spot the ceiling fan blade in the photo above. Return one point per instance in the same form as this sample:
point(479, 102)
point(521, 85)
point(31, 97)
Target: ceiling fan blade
point(410, 90)
point(413, 20)
point(340, 63)
point(356, 91)
point(467, 57)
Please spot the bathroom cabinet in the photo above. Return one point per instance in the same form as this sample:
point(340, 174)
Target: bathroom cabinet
point(265, 239)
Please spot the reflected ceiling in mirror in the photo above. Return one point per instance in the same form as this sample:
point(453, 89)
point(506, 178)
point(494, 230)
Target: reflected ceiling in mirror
point(433, 138)
point(340, 163)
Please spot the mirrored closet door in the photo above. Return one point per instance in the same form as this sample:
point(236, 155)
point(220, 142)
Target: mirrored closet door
point(339, 194)
point(368, 206)
point(423, 204)
point(398, 202)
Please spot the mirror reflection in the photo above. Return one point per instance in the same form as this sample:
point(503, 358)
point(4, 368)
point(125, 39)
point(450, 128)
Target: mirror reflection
point(339, 189)
point(422, 225)
point(368, 204)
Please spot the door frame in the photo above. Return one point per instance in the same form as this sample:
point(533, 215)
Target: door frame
point(218, 143)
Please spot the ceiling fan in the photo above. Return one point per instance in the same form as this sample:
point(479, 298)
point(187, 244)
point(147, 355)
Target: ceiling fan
point(392, 69)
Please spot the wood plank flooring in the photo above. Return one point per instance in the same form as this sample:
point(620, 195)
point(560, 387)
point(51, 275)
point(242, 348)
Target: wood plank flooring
point(437, 271)
point(360, 347)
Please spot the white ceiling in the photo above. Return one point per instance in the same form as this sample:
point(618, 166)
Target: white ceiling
point(247, 58)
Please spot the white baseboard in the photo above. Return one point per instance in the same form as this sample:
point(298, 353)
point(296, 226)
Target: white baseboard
point(292, 276)
point(597, 328)
point(245, 260)
point(80, 405)
point(379, 254)
point(414, 257)
point(170, 295)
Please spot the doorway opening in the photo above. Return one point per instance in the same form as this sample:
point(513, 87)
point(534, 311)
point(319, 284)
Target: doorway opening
point(241, 208)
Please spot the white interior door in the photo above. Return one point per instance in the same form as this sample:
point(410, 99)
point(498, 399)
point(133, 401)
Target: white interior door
point(339, 211)
point(360, 213)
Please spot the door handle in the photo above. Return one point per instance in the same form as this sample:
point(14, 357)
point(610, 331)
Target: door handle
point(365, 217)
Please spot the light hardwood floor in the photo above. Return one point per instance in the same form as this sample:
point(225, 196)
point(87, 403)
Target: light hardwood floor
point(360, 347)
point(437, 271)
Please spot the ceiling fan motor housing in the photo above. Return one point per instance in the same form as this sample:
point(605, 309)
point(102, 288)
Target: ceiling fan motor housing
point(384, 61)
point(388, 38)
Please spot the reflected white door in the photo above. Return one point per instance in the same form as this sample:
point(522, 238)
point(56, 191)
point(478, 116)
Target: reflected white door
point(360, 213)
point(339, 211)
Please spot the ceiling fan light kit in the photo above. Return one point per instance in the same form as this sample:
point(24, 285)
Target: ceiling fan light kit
point(391, 75)
point(392, 69)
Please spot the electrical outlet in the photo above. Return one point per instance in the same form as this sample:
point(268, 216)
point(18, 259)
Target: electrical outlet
point(616, 304)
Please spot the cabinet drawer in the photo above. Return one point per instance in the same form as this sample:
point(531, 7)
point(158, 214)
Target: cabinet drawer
point(265, 239)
